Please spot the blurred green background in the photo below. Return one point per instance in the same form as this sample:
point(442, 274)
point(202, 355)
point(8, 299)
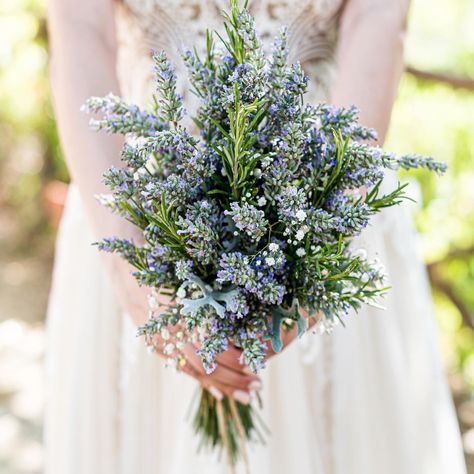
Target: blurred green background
point(434, 115)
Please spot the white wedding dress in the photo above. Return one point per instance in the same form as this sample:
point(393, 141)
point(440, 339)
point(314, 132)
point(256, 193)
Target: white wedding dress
point(370, 398)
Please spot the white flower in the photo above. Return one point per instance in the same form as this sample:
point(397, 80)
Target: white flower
point(169, 348)
point(361, 253)
point(270, 261)
point(181, 293)
point(299, 235)
point(165, 334)
point(273, 247)
point(301, 252)
point(261, 201)
point(301, 215)
point(152, 301)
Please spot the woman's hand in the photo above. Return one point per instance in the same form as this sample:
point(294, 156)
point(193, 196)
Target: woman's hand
point(230, 378)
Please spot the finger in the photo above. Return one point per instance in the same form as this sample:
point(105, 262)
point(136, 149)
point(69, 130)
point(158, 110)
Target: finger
point(196, 372)
point(232, 359)
point(191, 371)
point(222, 381)
point(222, 374)
point(236, 380)
point(219, 390)
point(216, 389)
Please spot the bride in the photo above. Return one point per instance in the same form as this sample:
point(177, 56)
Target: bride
point(367, 399)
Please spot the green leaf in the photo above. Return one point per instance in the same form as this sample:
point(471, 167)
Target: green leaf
point(387, 200)
point(258, 116)
point(220, 127)
point(198, 123)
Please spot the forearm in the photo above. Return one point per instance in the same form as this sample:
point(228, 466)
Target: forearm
point(370, 59)
point(83, 65)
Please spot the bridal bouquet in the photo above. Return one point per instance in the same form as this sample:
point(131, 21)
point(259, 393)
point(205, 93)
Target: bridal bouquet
point(247, 226)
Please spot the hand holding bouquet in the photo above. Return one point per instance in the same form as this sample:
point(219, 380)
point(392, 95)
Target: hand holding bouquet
point(251, 222)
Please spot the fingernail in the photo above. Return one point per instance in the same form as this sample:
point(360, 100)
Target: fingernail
point(242, 397)
point(215, 392)
point(255, 385)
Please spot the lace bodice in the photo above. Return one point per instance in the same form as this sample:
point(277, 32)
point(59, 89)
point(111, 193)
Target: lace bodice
point(145, 25)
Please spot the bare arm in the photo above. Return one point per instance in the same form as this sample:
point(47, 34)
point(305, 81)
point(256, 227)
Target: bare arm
point(370, 59)
point(82, 49)
point(83, 56)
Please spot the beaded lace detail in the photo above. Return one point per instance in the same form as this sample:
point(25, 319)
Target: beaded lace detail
point(172, 26)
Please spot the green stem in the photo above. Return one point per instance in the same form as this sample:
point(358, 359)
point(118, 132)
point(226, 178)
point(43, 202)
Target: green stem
point(206, 425)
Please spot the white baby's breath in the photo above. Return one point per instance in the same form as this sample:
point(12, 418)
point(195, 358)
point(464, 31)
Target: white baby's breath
point(299, 235)
point(270, 261)
point(301, 215)
point(273, 247)
point(169, 348)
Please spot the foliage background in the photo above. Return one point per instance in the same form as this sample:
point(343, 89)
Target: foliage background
point(430, 117)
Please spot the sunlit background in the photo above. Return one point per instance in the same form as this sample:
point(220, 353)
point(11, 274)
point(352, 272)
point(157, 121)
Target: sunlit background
point(434, 115)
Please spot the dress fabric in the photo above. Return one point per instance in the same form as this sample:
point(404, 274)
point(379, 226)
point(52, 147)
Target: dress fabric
point(370, 398)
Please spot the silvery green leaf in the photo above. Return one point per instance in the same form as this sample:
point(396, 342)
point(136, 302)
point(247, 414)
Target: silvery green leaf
point(209, 298)
point(279, 314)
